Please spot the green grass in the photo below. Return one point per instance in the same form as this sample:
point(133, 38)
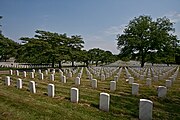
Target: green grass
point(20, 104)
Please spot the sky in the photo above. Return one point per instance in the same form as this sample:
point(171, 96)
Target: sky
point(97, 21)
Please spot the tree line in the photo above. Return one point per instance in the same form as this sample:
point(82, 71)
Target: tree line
point(143, 39)
point(49, 47)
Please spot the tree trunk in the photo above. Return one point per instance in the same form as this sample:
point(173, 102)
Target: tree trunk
point(152, 64)
point(53, 62)
point(60, 65)
point(72, 63)
point(87, 63)
point(142, 60)
point(96, 63)
point(5, 58)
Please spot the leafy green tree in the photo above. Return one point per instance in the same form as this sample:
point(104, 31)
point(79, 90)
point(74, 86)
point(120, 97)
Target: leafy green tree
point(74, 46)
point(107, 57)
point(143, 36)
point(7, 48)
point(84, 57)
point(96, 55)
point(33, 51)
point(48, 47)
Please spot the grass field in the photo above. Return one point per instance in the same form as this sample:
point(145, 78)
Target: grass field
point(20, 104)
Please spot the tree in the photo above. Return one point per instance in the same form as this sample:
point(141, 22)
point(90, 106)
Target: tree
point(7, 48)
point(33, 51)
point(96, 55)
point(143, 36)
point(83, 56)
point(107, 57)
point(74, 46)
point(48, 47)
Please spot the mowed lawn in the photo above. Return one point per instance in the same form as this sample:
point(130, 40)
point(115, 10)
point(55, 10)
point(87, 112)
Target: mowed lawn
point(20, 104)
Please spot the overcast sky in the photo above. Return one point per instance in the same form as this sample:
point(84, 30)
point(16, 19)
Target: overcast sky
point(97, 21)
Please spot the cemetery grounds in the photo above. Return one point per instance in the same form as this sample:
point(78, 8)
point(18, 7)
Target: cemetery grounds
point(20, 104)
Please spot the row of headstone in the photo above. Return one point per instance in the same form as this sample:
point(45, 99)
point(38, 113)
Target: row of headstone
point(101, 72)
point(145, 107)
point(104, 97)
point(154, 77)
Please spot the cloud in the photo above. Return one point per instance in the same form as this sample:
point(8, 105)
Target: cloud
point(101, 41)
point(104, 39)
point(115, 30)
point(173, 16)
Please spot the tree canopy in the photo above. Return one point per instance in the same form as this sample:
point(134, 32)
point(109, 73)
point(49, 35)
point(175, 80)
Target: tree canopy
point(48, 47)
point(7, 48)
point(144, 36)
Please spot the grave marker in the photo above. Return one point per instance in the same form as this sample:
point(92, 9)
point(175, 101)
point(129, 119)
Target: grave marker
point(135, 88)
point(32, 87)
point(112, 86)
point(74, 95)
point(145, 109)
point(77, 81)
point(19, 83)
point(7, 81)
point(51, 90)
point(104, 102)
point(94, 83)
point(162, 90)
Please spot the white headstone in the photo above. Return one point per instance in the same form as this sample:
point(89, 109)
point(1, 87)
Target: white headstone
point(77, 81)
point(148, 81)
point(94, 83)
point(149, 75)
point(112, 86)
point(90, 76)
point(19, 83)
point(135, 88)
point(116, 78)
point(52, 77)
point(70, 74)
point(39, 71)
point(131, 80)
point(32, 87)
point(41, 76)
point(24, 74)
point(74, 95)
point(168, 83)
point(7, 81)
point(63, 79)
point(145, 109)
point(162, 90)
point(33, 70)
point(141, 77)
point(102, 77)
point(46, 72)
point(104, 101)
point(17, 72)
point(51, 90)
point(32, 75)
